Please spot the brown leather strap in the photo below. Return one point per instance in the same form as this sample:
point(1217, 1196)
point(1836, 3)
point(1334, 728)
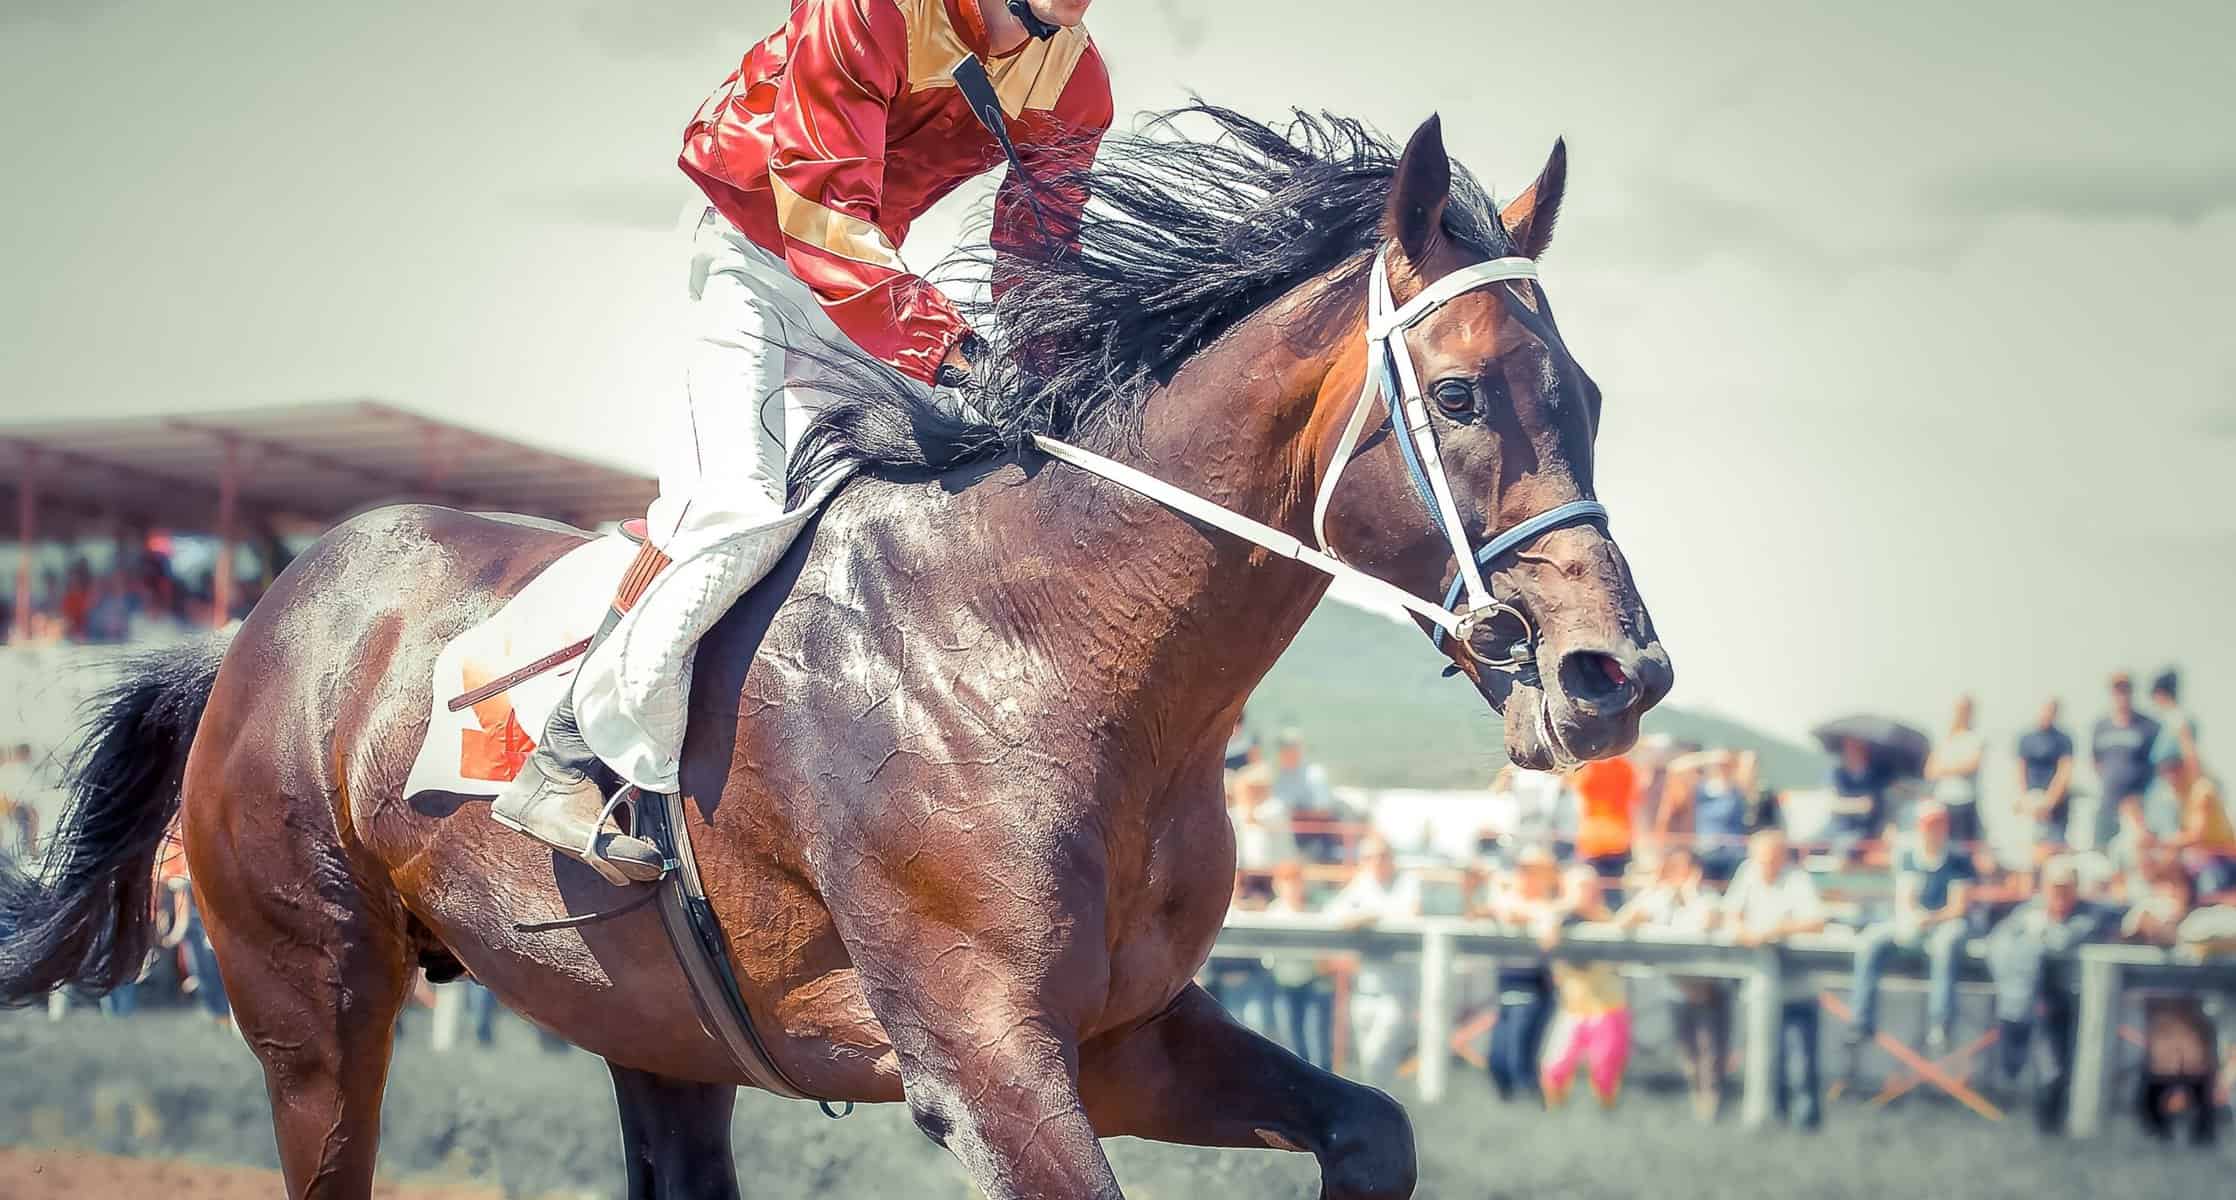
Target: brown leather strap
point(702, 950)
point(504, 683)
point(647, 565)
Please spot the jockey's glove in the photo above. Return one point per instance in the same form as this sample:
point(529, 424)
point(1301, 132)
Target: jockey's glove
point(960, 402)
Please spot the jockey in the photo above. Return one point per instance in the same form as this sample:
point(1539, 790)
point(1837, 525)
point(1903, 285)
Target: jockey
point(835, 134)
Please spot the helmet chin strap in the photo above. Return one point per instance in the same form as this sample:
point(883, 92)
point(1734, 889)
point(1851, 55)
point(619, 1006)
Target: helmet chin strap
point(1023, 11)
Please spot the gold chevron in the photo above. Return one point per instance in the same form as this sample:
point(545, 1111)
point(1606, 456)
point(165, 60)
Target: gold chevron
point(851, 238)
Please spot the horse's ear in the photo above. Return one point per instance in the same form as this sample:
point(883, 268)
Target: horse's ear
point(1529, 219)
point(1418, 193)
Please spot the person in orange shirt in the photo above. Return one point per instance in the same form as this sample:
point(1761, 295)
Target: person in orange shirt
point(77, 602)
point(1605, 792)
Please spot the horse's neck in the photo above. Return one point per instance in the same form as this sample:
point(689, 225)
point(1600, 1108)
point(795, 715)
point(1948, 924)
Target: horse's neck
point(1192, 618)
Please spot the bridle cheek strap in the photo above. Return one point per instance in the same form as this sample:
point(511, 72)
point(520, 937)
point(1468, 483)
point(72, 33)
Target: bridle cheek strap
point(1390, 377)
point(1389, 374)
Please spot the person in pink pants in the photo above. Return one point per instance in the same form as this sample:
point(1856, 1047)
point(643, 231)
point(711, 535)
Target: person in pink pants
point(1592, 1029)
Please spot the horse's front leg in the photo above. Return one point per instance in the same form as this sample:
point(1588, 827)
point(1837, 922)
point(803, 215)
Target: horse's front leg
point(1193, 1075)
point(978, 976)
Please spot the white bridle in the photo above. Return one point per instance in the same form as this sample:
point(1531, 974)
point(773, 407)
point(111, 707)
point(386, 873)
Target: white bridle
point(1391, 377)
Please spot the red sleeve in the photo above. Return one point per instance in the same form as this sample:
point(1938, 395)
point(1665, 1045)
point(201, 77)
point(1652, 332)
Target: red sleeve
point(1056, 147)
point(848, 62)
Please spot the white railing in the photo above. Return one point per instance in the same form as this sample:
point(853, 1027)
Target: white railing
point(1440, 944)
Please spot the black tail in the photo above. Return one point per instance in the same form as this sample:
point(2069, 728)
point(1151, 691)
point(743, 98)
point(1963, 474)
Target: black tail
point(86, 917)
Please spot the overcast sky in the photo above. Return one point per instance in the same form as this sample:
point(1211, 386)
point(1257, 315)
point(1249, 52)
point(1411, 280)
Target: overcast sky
point(1912, 319)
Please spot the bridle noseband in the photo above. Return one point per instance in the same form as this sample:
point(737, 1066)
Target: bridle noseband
point(1391, 378)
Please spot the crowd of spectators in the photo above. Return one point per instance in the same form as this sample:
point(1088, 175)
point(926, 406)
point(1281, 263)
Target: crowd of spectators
point(2133, 842)
point(138, 595)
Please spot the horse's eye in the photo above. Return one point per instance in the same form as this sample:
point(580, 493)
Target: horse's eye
point(1455, 396)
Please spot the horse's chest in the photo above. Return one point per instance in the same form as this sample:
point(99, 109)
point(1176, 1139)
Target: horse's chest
point(1168, 900)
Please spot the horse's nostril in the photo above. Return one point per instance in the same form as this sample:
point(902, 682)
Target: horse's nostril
point(1597, 682)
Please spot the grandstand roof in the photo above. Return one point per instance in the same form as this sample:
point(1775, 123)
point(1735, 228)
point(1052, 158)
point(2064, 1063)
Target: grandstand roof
point(299, 469)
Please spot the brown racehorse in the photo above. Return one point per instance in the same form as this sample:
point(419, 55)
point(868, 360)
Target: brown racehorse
point(954, 775)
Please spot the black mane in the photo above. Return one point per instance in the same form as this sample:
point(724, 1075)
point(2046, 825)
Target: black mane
point(1183, 238)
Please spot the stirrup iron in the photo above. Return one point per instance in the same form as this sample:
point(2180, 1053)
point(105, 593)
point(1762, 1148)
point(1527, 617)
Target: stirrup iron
point(599, 862)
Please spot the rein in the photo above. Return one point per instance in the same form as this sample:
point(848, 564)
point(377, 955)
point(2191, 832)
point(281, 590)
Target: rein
point(1391, 378)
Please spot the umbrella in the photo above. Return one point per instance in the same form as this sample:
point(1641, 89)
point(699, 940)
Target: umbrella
point(1895, 747)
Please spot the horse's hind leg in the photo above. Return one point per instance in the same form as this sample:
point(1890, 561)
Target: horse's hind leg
point(317, 969)
point(675, 1137)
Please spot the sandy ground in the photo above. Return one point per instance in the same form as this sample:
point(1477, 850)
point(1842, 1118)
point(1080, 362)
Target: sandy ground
point(75, 1174)
point(166, 1106)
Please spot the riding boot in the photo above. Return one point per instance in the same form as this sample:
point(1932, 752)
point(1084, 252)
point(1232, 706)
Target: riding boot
point(559, 798)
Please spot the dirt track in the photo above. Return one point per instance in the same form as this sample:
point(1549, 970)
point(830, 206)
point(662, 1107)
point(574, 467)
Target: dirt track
point(538, 1124)
point(75, 1174)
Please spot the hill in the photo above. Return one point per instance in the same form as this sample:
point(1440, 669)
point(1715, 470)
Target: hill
point(1367, 696)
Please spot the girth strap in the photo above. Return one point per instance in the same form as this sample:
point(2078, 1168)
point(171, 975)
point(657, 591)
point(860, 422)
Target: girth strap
point(703, 952)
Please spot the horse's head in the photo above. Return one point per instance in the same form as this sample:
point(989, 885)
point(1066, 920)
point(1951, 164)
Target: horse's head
point(1566, 651)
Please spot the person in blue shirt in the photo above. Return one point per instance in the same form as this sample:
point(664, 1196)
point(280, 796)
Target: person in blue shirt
point(2121, 746)
point(2174, 756)
point(1714, 788)
point(1932, 884)
point(2034, 1004)
point(1859, 799)
point(2046, 777)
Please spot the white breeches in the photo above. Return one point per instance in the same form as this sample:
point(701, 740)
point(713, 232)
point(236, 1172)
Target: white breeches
point(747, 397)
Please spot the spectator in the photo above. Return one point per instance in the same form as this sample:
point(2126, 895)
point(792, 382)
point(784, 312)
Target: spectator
point(1241, 985)
point(1606, 791)
point(458, 1002)
point(1859, 799)
point(186, 933)
point(2156, 915)
point(1593, 1026)
point(1303, 1003)
point(77, 600)
point(1382, 992)
point(1531, 902)
point(2121, 747)
point(2178, 1038)
point(1300, 786)
point(2046, 779)
point(1261, 825)
point(1712, 788)
point(1770, 901)
point(2207, 842)
point(1475, 889)
point(1301, 791)
point(1676, 899)
point(1953, 772)
point(1932, 884)
point(1242, 745)
point(481, 1004)
point(2025, 959)
point(2174, 756)
point(1524, 810)
point(1676, 902)
point(19, 821)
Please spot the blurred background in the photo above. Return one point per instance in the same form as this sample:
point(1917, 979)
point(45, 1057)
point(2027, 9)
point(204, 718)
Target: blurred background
point(1911, 326)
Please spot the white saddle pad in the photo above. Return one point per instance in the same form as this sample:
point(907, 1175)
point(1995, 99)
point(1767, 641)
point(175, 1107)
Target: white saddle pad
point(478, 749)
